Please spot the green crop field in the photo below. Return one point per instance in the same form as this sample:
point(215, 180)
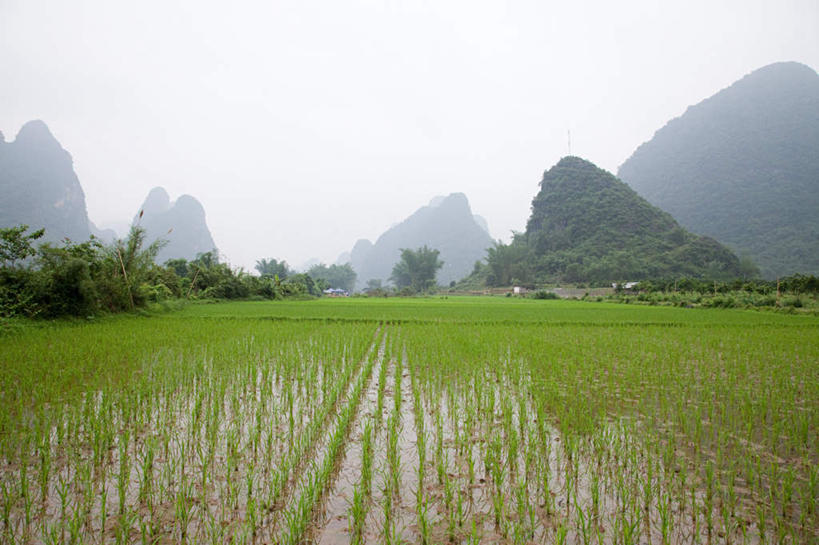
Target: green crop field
point(441, 420)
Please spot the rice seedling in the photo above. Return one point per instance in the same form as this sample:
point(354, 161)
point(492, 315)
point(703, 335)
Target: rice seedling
point(514, 421)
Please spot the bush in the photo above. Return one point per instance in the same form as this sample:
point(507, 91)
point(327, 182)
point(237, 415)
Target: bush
point(794, 302)
point(17, 298)
point(544, 294)
point(156, 293)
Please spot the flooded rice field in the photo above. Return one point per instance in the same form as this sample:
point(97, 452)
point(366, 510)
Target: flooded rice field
point(377, 432)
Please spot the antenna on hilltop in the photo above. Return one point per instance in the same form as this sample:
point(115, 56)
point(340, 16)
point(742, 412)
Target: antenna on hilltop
point(570, 141)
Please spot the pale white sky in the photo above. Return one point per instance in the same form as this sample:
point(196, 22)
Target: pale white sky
point(303, 126)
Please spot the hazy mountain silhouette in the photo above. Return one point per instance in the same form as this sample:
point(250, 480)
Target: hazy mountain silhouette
point(106, 235)
point(743, 167)
point(588, 225)
point(182, 223)
point(446, 224)
point(38, 186)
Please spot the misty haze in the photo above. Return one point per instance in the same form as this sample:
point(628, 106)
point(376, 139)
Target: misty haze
point(364, 272)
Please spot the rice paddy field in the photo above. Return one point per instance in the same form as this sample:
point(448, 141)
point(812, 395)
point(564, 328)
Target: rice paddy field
point(459, 420)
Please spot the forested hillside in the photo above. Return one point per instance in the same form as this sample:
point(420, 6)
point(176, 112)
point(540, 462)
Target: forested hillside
point(743, 167)
point(586, 225)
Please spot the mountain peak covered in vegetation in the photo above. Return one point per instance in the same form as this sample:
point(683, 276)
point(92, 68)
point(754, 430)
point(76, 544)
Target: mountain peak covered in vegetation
point(743, 167)
point(586, 225)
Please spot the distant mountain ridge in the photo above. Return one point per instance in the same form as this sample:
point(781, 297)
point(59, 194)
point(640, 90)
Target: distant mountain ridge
point(743, 167)
point(38, 186)
point(586, 225)
point(446, 224)
point(181, 223)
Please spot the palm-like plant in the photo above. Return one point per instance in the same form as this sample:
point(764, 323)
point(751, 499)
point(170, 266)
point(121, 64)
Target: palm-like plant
point(135, 262)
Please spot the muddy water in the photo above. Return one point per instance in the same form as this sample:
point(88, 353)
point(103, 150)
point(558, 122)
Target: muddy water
point(598, 483)
point(373, 531)
point(614, 460)
point(404, 509)
point(243, 404)
point(332, 525)
point(295, 488)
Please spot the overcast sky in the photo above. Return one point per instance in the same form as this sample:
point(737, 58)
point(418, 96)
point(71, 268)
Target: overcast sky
point(303, 126)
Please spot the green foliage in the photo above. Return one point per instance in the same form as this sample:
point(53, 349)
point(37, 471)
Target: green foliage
point(136, 261)
point(741, 166)
point(508, 263)
point(543, 294)
point(88, 278)
point(795, 292)
point(300, 284)
point(272, 268)
point(178, 266)
point(373, 284)
point(17, 294)
point(16, 297)
point(415, 271)
point(587, 226)
point(337, 276)
point(747, 268)
point(70, 289)
point(77, 279)
point(212, 279)
point(206, 277)
point(588, 416)
point(796, 284)
point(16, 246)
point(800, 283)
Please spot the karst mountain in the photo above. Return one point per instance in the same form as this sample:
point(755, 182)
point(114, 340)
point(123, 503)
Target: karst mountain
point(447, 224)
point(587, 225)
point(743, 167)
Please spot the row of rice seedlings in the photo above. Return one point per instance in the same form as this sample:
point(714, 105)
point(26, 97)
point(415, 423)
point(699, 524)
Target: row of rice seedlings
point(712, 482)
point(401, 470)
point(316, 481)
point(122, 463)
point(325, 525)
point(364, 491)
point(310, 442)
point(362, 499)
point(613, 434)
point(359, 504)
point(421, 497)
point(352, 481)
point(654, 489)
point(236, 475)
point(370, 515)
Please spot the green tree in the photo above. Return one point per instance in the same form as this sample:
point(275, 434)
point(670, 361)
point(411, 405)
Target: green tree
point(213, 279)
point(271, 268)
point(300, 284)
point(135, 261)
point(336, 276)
point(179, 266)
point(16, 246)
point(747, 268)
point(373, 284)
point(507, 262)
point(71, 280)
point(416, 269)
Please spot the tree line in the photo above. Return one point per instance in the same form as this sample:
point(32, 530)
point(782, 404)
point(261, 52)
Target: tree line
point(89, 278)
